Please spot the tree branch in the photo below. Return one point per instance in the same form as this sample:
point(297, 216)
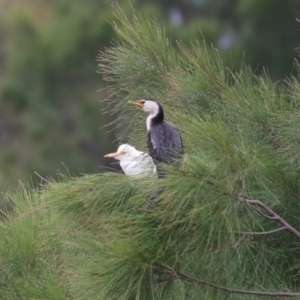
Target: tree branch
point(238, 242)
point(179, 275)
point(262, 232)
point(271, 215)
point(236, 291)
point(244, 233)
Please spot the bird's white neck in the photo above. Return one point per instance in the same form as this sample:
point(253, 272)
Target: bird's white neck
point(148, 121)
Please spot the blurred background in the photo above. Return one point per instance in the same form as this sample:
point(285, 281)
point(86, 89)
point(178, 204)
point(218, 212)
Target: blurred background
point(51, 93)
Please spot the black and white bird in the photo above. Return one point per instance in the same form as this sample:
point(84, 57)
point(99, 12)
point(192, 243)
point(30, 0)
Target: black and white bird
point(163, 138)
point(133, 162)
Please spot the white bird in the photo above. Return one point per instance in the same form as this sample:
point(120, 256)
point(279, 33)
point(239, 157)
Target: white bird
point(134, 162)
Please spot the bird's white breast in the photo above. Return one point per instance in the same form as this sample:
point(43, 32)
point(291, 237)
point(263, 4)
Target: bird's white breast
point(141, 165)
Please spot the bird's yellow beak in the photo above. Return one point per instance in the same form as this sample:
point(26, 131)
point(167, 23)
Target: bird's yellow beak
point(136, 103)
point(116, 154)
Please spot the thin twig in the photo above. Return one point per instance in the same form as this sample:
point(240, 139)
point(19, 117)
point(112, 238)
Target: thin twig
point(238, 242)
point(261, 213)
point(272, 215)
point(244, 233)
point(236, 291)
point(184, 277)
point(262, 232)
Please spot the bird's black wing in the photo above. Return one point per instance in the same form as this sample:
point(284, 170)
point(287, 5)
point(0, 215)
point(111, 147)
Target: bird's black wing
point(164, 142)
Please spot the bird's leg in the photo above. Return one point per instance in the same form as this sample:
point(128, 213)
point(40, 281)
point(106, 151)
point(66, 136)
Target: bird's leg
point(154, 194)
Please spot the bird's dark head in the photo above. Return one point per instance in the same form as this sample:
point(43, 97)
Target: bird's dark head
point(150, 106)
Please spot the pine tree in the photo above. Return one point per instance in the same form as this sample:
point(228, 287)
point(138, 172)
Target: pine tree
point(226, 220)
point(225, 225)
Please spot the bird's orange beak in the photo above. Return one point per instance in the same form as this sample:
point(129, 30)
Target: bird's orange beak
point(136, 103)
point(116, 154)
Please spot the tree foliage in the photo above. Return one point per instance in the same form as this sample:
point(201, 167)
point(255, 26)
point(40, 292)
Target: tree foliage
point(226, 224)
point(48, 83)
point(216, 216)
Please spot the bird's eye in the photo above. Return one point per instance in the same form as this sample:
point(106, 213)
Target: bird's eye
point(142, 101)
